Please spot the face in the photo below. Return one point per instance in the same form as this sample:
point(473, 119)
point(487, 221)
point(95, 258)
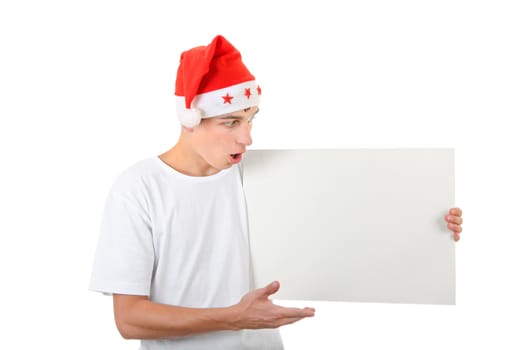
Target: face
point(222, 141)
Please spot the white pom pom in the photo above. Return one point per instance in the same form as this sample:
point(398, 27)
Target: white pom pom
point(189, 117)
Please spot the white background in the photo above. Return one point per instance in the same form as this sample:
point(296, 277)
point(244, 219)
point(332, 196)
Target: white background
point(86, 89)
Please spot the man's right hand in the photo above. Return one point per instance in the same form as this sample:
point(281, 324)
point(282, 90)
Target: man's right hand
point(256, 310)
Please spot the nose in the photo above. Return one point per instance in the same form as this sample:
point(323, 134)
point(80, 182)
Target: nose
point(244, 137)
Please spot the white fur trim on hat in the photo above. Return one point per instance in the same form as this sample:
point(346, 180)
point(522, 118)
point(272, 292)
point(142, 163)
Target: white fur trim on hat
point(218, 102)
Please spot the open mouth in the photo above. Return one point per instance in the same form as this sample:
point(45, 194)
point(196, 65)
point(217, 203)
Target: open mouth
point(235, 158)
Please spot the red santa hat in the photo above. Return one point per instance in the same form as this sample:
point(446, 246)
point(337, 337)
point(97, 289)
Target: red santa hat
point(211, 81)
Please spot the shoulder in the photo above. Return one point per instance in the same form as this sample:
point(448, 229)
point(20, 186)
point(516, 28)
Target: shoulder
point(136, 176)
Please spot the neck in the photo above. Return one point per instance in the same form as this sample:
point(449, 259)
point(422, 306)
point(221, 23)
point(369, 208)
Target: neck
point(184, 158)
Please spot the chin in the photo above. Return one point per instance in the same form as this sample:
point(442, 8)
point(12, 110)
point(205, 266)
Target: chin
point(220, 166)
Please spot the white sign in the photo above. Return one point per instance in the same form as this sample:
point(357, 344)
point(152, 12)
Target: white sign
point(358, 225)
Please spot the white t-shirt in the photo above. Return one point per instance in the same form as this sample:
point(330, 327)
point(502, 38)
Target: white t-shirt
point(181, 240)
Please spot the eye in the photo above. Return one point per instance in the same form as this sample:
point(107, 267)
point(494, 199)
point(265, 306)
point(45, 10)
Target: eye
point(231, 123)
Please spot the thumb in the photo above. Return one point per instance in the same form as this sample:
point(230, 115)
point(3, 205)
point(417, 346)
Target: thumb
point(272, 288)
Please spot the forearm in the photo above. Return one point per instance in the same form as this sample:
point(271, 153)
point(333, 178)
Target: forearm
point(144, 319)
point(139, 318)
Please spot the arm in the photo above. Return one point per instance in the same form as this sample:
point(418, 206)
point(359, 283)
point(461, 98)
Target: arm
point(139, 318)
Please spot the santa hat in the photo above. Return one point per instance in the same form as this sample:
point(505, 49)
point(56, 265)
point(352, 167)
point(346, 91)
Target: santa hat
point(211, 81)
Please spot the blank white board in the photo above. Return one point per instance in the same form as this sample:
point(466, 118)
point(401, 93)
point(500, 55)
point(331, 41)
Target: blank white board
point(357, 225)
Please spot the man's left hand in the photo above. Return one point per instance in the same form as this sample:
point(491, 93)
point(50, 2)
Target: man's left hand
point(454, 222)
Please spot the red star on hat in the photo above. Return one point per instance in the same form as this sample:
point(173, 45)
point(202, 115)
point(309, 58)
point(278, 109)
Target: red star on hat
point(227, 98)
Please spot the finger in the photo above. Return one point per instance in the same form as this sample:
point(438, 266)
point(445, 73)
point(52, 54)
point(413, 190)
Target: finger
point(458, 220)
point(455, 228)
point(281, 321)
point(456, 236)
point(292, 312)
point(456, 212)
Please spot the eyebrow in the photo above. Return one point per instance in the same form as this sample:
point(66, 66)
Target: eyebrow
point(239, 117)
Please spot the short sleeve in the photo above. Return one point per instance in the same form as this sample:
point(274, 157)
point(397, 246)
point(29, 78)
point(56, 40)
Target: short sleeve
point(124, 256)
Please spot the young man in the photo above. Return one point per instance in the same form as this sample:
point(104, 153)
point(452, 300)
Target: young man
point(173, 248)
